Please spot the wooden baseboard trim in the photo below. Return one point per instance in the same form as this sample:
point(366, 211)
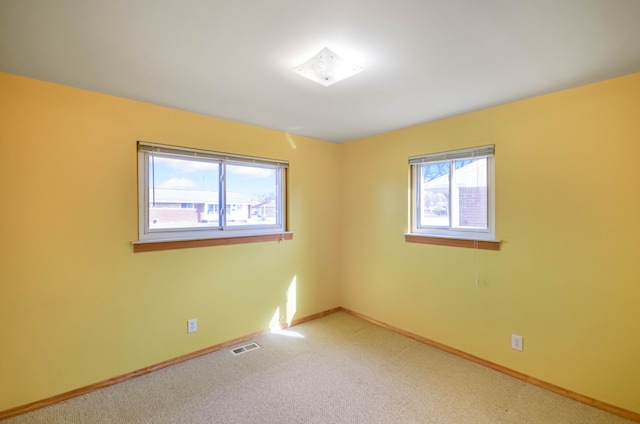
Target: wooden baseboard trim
point(313, 316)
point(157, 367)
point(630, 415)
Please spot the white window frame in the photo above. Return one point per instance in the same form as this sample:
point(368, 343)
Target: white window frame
point(147, 234)
point(415, 162)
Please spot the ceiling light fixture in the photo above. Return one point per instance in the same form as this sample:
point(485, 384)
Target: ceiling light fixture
point(326, 68)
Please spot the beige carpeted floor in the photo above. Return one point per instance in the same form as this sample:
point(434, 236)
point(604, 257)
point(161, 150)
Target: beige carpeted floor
point(337, 369)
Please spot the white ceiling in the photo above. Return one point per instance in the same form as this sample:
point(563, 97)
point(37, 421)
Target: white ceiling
point(423, 59)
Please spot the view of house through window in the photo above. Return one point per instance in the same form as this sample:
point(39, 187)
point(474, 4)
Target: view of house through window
point(260, 187)
point(183, 193)
point(203, 194)
point(453, 193)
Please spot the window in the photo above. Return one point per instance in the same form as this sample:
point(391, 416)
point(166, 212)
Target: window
point(453, 194)
point(181, 192)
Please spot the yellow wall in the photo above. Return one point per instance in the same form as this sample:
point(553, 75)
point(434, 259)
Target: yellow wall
point(77, 306)
point(568, 212)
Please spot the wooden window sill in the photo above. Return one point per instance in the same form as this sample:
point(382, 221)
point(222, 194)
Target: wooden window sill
point(154, 246)
point(455, 242)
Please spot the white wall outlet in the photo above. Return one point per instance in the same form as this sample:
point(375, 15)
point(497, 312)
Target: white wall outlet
point(192, 325)
point(516, 342)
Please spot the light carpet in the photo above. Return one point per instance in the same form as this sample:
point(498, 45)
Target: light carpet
point(336, 369)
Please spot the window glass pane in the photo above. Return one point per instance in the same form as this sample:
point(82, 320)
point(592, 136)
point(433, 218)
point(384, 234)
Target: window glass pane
point(434, 195)
point(469, 194)
point(252, 195)
point(183, 193)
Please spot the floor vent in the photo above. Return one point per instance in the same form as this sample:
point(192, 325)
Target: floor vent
point(243, 349)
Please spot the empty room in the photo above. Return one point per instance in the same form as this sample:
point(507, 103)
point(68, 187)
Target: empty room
point(354, 211)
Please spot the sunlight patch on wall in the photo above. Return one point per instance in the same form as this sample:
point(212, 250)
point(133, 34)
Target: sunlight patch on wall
point(274, 325)
point(290, 140)
point(292, 304)
point(283, 319)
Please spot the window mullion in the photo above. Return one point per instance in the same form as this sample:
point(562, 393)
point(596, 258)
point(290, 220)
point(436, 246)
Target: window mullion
point(153, 176)
point(279, 196)
point(450, 196)
point(417, 195)
point(222, 194)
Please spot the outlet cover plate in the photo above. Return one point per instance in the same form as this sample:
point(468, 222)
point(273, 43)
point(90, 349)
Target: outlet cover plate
point(516, 342)
point(192, 325)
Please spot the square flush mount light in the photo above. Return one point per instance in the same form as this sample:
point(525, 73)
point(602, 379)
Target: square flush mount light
point(326, 68)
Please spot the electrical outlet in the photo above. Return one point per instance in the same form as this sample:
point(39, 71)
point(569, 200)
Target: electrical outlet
point(192, 325)
point(516, 342)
